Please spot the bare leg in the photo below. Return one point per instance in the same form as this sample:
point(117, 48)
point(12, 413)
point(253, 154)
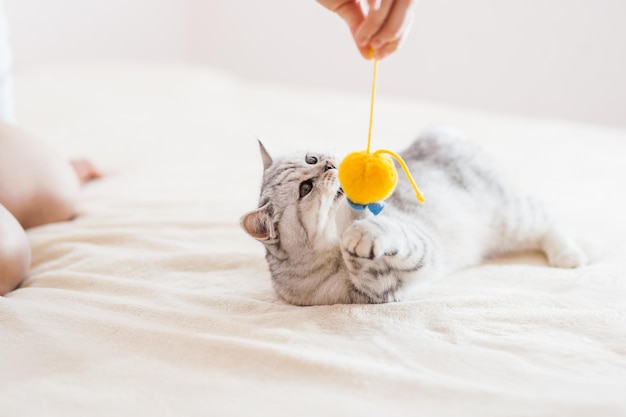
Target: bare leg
point(14, 252)
point(36, 187)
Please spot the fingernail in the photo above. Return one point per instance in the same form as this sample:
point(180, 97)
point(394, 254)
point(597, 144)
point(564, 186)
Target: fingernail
point(362, 41)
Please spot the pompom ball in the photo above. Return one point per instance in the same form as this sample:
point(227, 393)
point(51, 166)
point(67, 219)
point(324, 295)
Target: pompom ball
point(367, 177)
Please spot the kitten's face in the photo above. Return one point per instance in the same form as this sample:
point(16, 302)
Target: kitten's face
point(298, 202)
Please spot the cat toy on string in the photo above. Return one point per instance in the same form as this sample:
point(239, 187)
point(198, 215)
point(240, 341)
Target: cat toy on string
point(368, 178)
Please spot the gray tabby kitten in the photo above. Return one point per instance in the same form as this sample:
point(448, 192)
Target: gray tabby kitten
point(320, 251)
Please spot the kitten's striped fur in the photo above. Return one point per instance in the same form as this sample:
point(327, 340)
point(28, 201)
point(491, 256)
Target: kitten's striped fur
point(320, 251)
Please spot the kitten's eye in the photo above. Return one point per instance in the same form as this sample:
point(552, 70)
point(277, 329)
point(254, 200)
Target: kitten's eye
point(305, 187)
point(311, 160)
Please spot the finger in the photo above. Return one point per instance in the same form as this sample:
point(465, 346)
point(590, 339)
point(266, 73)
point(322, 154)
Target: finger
point(354, 16)
point(349, 10)
point(373, 4)
point(386, 50)
point(396, 26)
point(372, 24)
point(366, 52)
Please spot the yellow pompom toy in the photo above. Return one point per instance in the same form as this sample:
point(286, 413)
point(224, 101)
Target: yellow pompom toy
point(365, 168)
point(368, 178)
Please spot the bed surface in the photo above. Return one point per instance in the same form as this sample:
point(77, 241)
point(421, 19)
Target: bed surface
point(154, 301)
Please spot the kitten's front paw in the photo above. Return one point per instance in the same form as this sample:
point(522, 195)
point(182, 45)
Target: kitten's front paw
point(366, 240)
point(568, 258)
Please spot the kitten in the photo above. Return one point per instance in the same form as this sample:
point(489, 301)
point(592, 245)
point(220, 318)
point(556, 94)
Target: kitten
point(320, 251)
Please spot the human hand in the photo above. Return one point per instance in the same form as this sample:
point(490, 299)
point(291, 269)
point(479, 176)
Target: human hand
point(378, 26)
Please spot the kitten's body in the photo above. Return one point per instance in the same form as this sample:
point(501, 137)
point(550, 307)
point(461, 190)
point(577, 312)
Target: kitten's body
point(320, 251)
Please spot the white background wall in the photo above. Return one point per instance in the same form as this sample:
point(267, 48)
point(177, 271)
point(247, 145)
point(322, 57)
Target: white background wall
point(553, 58)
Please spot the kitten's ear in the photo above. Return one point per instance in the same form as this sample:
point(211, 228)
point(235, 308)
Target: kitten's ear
point(258, 223)
point(267, 159)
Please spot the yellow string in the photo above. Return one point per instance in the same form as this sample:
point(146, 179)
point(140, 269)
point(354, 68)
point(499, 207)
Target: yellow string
point(397, 157)
point(369, 132)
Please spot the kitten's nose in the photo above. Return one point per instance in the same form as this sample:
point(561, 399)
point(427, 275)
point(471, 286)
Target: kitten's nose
point(329, 165)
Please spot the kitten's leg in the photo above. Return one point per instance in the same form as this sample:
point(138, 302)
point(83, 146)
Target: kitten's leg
point(384, 257)
point(560, 248)
point(530, 226)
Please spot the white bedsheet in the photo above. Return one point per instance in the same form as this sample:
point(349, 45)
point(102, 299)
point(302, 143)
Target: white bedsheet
point(153, 302)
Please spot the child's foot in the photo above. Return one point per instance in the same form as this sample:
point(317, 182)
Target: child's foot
point(85, 170)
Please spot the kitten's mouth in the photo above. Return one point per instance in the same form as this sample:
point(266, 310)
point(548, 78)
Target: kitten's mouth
point(331, 180)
